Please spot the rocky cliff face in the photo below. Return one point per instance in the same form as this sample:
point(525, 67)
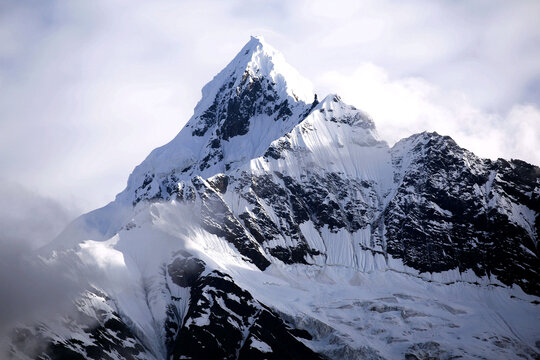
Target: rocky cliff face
point(453, 210)
point(276, 226)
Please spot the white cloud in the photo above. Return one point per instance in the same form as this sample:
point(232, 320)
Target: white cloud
point(405, 106)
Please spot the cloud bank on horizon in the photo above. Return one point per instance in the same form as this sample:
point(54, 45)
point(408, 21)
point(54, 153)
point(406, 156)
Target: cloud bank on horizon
point(90, 88)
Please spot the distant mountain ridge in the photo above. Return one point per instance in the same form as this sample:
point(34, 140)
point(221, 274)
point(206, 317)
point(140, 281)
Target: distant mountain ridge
point(279, 225)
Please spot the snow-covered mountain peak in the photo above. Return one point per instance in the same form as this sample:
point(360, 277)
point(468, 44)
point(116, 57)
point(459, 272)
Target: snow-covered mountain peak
point(256, 99)
point(260, 59)
point(257, 60)
point(338, 111)
point(277, 226)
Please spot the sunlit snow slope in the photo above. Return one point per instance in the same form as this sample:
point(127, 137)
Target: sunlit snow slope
point(277, 225)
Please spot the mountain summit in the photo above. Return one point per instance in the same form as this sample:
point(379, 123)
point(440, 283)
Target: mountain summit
point(255, 100)
point(258, 60)
point(275, 226)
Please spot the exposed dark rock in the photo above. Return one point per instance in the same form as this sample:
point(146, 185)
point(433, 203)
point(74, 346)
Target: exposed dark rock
point(225, 322)
point(440, 219)
point(219, 183)
point(108, 333)
point(218, 219)
point(292, 255)
point(184, 272)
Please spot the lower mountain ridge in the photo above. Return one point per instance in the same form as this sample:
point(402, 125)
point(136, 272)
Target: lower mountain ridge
point(279, 227)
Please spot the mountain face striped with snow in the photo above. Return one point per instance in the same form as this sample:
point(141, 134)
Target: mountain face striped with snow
point(275, 226)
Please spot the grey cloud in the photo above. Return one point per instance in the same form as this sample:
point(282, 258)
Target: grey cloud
point(30, 288)
point(36, 290)
point(29, 219)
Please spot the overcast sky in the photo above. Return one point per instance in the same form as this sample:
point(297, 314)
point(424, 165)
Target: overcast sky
point(89, 88)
